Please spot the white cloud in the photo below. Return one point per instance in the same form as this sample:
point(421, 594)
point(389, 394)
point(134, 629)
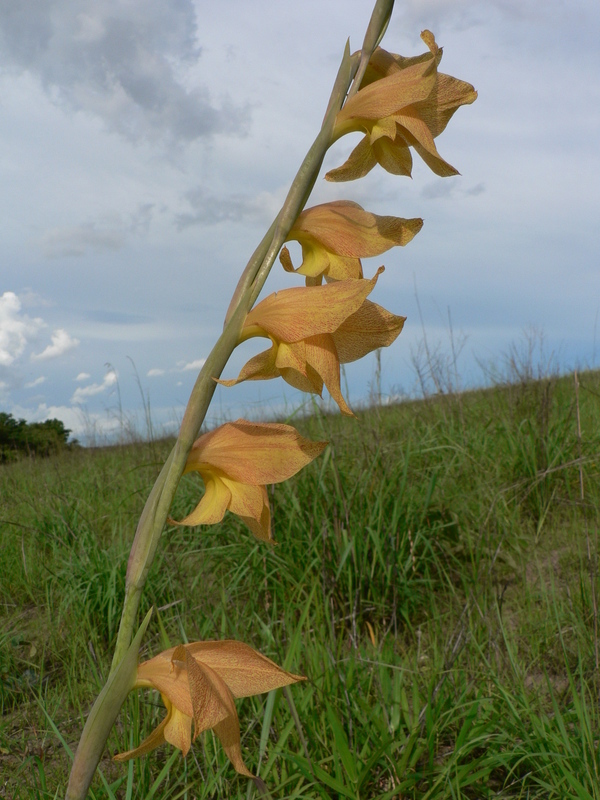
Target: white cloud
point(61, 343)
point(82, 424)
point(36, 382)
point(83, 376)
point(155, 372)
point(16, 329)
point(82, 393)
point(194, 365)
point(122, 62)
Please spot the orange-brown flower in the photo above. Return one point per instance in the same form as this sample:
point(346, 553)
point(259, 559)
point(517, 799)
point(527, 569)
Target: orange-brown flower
point(314, 329)
point(198, 683)
point(402, 103)
point(335, 236)
point(237, 461)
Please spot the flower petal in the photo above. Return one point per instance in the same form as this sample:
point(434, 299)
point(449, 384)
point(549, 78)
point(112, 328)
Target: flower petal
point(259, 368)
point(151, 742)
point(261, 528)
point(246, 500)
point(387, 96)
point(209, 706)
point(245, 671)
point(219, 703)
point(346, 229)
point(395, 157)
point(172, 683)
point(293, 314)
point(254, 452)
point(360, 162)
point(178, 730)
point(322, 356)
point(368, 329)
point(214, 503)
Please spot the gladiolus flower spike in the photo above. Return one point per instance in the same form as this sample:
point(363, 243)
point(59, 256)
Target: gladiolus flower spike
point(237, 461)
point(402, 103)
point(335, 236)
point(314, 329)
point(198, 683)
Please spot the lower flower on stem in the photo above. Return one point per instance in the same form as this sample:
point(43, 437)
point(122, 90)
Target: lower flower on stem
point(198, 683)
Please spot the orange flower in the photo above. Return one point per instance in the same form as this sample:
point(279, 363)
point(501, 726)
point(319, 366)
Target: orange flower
point(314, 329)
point(198, 683)
point(402, 103)
point(335, 236)
point(236, 461)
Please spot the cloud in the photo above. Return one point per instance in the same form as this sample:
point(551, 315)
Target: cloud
point(209, 209)
point(82, 393)
point(464, 14)
point(476, 190)
point(81, 423)
point(194, 365)
point(83, 376)
point(61, 343)
point(36, 382)
point(16, 329)
point(107, 234)
point(438, 189)
point(155, 373)
point(122, 62)
point(78, 239)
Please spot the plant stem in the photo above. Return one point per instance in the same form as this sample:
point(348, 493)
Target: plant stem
point(156, 509)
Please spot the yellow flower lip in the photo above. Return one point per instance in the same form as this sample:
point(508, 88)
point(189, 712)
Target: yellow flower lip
point(314, 329)
point(336, 235)
point(198, 683)
point(237, 461)
point(402, 103)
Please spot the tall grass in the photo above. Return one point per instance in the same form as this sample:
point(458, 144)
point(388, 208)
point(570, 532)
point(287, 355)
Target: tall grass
point(431, 578)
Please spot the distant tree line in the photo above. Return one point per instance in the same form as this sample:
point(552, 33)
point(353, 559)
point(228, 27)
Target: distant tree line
point(19, 437)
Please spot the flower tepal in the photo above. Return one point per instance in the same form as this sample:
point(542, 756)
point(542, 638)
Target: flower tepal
point(314, 329)
point(402, 103)
point(237, 461)
point(336, 235)
point(198, 683)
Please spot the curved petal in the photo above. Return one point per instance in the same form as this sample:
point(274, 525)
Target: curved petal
point(261, 528)
point(151, 742)
point(345, 229)
point(322, 356)
point(368, 329)
point(213, 505)
point(420, 137)
point(170, 680)
point(228, 732)
point(293, 314)
point(286, 260)
point(254, 452)
point(245, 671)
point(394, 157)
point(178, 730)
point(219, 712)
point(258, 368)
point(208, 705)
point(246, 500)
point(309, 382)
point(360, 162)
point(387, 95)
point(291, 356)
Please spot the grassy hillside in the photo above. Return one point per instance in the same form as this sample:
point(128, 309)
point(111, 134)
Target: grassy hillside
point(435, 578)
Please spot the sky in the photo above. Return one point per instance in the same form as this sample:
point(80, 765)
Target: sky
point(146, 146)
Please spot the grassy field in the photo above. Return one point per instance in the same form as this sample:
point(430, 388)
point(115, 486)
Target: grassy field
point(435, 578)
